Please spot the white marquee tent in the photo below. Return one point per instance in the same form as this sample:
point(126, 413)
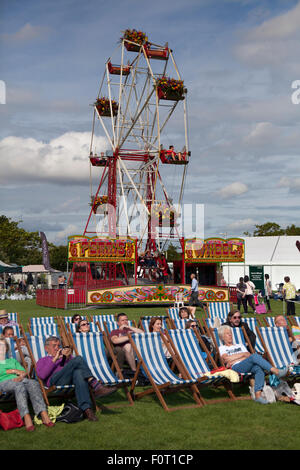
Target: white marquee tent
point(279, 256)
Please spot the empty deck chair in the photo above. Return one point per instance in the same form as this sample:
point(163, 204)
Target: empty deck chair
point(91, 347)
point(103, 318)
point(278, 347)
point(152, 362)
point(187, 344)
point(36, 348)
point(218, 309)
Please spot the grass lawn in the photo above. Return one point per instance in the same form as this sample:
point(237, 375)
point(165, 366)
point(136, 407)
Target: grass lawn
point(243, 425)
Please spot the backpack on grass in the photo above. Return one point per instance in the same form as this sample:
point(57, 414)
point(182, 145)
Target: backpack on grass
point(70, 414)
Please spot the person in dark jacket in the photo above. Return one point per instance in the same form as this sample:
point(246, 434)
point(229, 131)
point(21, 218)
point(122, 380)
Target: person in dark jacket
point(234, 320)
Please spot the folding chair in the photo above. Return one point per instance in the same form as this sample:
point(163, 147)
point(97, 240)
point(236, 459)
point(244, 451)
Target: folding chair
point(218, 309)
point(102, 318)
point(91, 347)
point(41, 320)
point(179, 323)
point(269, 321)
point(9, 397)
point(278, 347)
point(68, 319)
point(50, 329)
point(173, 312)
point(145, 322)
point(109, 326)
point(36, 348)
point(152, 362)
point(187, 345)
point(239, 336)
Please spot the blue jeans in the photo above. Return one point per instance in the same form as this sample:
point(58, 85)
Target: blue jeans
point(75, 372)
point(256, 365)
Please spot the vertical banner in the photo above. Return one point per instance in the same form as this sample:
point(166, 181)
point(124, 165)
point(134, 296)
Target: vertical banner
point(45, 251)
point(256, 275)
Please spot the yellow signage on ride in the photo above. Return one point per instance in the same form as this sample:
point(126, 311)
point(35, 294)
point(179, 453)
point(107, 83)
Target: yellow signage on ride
point(214, 250)
point(100, 250)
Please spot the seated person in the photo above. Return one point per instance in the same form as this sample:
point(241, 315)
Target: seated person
point(13, 380)
point(187, 312)
point(234, 321)
point(237, 358)
point(8, 332)
point(76, 318)
point(280, 321)
point(83, 326)
point(172, 155)
point(4, 320)
point(155, 326)
point(192, 324)
point(120, 340)
point(59, 367)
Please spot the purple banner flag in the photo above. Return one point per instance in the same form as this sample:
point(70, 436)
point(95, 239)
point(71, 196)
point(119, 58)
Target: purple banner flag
point(45, 251)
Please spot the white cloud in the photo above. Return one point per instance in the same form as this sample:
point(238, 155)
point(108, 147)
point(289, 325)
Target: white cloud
point(28, 32)
point(232, 190)
point(71, 229)
point(293, 184)
point(64, 160)
point(242, 224)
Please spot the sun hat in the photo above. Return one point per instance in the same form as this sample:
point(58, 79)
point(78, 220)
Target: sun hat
point(3, 314)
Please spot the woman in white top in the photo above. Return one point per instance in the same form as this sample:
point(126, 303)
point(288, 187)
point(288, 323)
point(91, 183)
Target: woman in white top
point(249, 294)
point(237, 358)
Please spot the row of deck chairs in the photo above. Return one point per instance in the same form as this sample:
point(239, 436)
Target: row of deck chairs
point(185, 347)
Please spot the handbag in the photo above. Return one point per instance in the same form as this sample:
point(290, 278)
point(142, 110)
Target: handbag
point(260, 308)
point(11, 420)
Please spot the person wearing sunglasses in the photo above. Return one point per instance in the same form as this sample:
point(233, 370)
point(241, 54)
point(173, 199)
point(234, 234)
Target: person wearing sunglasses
point(83, 326)
point(234, 319)
point(193, 325)
point(76, 318)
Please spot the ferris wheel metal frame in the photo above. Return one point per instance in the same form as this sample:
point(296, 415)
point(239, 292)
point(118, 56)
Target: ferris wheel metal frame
point(131, 168)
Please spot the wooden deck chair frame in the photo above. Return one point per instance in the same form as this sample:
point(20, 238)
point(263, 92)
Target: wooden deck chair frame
point(167, 387)
point(116, 367)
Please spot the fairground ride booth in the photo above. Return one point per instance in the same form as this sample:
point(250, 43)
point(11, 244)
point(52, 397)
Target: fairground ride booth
point(104, 272)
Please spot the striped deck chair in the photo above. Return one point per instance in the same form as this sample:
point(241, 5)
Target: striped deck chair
point(91, 347)
point(14, 316)
point(94, 328)
point(278, 347)
point(270, 321)
point(173, 312)
point(103, 318)
point(50, 329)
point(36, 348)
point(152, 362)
point(69, 319)
point(109, 326)
point(218, 309)
point(253, 323)
point(145, 322)
point(41, 320)
point(187, 344)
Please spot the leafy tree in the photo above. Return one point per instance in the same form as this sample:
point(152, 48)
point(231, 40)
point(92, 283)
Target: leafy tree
point(270, 229)
point(58, 257)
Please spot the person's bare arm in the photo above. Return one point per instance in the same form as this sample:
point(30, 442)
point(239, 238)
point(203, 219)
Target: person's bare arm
point(230, 359)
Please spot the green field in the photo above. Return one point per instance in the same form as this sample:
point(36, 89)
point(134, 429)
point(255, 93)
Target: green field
point(146, 426)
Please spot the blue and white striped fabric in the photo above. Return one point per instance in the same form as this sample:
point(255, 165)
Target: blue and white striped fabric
point(252, 323)
point(16, 328)
point(173, 313)
point(219, 309)
point(270, 321)
point(211, 321)
point(13, 317)
point(69, 319)
point(190, 352)
point(237, 336)
point(297, 320)
point(112, 325)
point(180, 324)
point(93, 327)
point(12, 348)
point(149, 346)
point(278, 345)
point(91, 347)
point(37, 347)
point(50, 329)
point(146, 322)
point(42, 320)
point(103, 318)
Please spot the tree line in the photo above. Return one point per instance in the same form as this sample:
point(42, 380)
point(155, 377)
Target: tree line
point(22, 247)
point(272, 229)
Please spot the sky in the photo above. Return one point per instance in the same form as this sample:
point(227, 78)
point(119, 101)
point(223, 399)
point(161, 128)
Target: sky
point(239, 60)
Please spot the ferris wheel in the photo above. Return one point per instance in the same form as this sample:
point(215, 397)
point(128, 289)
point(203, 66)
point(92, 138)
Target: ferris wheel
point(141, 108)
